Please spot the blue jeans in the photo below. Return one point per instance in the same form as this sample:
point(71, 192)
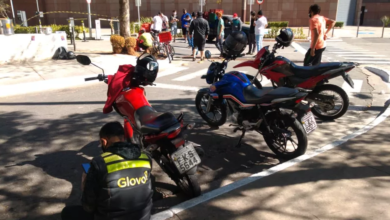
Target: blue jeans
point(190, 41)
point(174, 30)
point(219, 43)
point(259, 41)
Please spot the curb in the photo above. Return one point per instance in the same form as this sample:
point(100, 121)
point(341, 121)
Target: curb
point(171, 212)
point(385, 75)
point(59, 83)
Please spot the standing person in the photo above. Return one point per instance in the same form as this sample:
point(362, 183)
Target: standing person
point(157, 23)
point(200, 28)
point(318, 25)
point(185, 20)
point(251, 37)
point(190, 39)
point(117, 184)
point(236, 23)
point(173, 20)
point(165, 24)
point(220, 33)
point(260, 25)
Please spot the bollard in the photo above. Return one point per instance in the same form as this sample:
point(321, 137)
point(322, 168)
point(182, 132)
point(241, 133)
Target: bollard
point(85, 40)
point(74, 39)
point(333, 31)
point(36, 29)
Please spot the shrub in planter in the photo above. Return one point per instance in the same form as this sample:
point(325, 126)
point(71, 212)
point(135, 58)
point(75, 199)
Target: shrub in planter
point(118, 43)
point(339, 24)
point(131, 43)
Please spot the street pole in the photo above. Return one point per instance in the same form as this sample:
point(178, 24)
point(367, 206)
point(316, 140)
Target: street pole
point(13, 12)
point(357, 32)
point(39, 18)
point(243, 10)
point(89, 19)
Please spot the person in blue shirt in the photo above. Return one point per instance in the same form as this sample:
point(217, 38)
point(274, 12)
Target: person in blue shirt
point(185, 21)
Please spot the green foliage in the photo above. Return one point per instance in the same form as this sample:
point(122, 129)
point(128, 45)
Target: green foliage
point(271, 24)
point(31, 29)
point(386, 21)
point(278, 24)
point(339, 24)
point(298, 33)
point(272, 33)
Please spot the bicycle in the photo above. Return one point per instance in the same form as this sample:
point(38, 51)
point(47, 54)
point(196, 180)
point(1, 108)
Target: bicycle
point(162, 46)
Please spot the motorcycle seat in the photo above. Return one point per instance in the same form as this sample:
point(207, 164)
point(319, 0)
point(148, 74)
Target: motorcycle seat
point(254, 95)
point(149, 121)
point(305, 72)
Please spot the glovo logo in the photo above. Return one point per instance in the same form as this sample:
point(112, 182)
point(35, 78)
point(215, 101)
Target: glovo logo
point(126, 182)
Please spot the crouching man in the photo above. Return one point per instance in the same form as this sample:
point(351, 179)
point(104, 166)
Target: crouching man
point(118, 183)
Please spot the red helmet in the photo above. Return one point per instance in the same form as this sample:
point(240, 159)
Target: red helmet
point(235, 15)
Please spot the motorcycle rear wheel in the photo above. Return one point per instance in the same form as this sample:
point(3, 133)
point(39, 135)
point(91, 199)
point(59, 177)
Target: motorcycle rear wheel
point(201, 101)
point(329, 111)
point(277, 141)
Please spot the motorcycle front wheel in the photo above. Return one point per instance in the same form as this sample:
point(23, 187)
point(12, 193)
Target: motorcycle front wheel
point(330, 109)
point(287, 138)
point(217, 114)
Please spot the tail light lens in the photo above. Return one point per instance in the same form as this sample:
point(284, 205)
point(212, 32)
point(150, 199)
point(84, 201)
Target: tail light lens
point(174, 133)
point(178, 142)
point(299, 100)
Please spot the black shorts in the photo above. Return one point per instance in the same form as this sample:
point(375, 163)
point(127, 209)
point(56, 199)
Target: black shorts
point(184, 31)
point(199, 43)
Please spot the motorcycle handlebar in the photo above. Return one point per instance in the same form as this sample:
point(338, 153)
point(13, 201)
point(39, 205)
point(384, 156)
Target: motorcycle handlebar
point(90, 78)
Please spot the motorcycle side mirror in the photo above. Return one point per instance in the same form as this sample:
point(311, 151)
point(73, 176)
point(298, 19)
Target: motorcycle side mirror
point(83, 60)
point(207, 54)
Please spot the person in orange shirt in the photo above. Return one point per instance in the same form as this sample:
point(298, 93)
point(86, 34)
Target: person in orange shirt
point(319, 27)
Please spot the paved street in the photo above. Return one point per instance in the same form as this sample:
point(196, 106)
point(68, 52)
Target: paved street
point(49, 134)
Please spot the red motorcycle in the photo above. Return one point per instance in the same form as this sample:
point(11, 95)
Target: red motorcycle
point(331, 101)
point(160, 134)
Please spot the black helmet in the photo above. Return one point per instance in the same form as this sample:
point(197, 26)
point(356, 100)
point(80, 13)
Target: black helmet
point(146, 69)
point(70, 55)
point(285, 37)
point(235, 43)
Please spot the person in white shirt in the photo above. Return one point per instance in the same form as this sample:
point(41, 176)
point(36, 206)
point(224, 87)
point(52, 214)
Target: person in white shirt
point(165, 24)
point(157, 23)
point(260, 25)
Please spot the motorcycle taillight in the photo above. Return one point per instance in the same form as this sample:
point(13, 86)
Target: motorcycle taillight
point(174, 133)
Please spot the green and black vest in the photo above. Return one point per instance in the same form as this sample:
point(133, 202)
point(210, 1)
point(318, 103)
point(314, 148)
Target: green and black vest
point(128, 191)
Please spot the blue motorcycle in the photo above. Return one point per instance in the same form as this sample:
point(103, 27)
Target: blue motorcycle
point(280, 115)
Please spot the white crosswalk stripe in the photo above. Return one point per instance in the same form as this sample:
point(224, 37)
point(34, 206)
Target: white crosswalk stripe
point(171, 71)
point(191, 75)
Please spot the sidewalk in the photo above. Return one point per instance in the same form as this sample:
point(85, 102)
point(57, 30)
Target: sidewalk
point(350, 181)
point(19, 78)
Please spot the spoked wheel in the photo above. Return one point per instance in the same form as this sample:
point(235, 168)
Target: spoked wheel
point(189, 185)
point(330, 109)
point(217, 114)
point(288, 138)
point(171, 50)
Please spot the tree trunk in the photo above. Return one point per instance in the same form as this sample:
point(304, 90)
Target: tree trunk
point(124, 18)
point(383, 30)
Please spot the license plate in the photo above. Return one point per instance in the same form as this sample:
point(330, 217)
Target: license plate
point(186, 158)
point(348, 79)
point(309, 122)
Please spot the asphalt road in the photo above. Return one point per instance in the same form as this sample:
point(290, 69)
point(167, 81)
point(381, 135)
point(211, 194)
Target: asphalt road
point(46, 136)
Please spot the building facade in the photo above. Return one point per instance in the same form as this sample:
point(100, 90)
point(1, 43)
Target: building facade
point(294, 11)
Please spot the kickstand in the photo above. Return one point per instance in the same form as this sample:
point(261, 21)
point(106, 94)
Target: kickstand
point(242, 136)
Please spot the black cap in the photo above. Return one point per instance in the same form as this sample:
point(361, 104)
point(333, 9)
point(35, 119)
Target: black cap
point(199, 14)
